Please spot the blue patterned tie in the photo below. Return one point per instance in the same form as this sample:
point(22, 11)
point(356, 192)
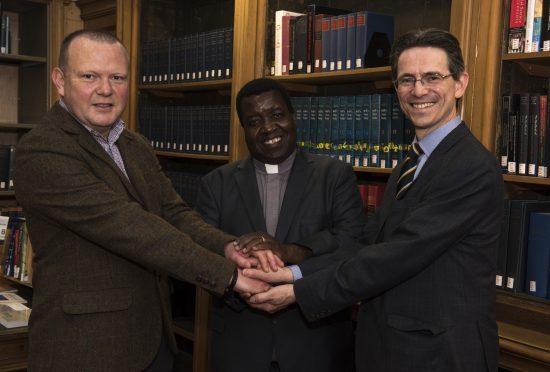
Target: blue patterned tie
point(407, 171)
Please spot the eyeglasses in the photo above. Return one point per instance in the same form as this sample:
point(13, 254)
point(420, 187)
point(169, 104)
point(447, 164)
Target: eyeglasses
point(430, 80)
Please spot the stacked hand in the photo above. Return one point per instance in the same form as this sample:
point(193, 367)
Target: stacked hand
point(258, 257)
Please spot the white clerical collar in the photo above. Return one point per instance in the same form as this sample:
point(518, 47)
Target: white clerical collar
point(272, 168)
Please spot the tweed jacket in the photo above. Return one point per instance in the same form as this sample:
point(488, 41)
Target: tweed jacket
point(425, 271)
point(104, 245)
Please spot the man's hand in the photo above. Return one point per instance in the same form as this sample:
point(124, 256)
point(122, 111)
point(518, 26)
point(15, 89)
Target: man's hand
point(260, 241)
point(249, 286)
point(242, 260)
point(264, 259)
point(275, 299)
point(280, 276)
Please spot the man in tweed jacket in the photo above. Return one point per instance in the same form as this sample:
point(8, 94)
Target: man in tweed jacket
point(106, 225)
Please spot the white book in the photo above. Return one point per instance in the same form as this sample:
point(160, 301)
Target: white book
point(529, 20)
point(10, 297)
point(279, 39)
point(14, 315)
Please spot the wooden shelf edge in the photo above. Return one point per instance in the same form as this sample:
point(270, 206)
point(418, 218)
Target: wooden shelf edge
point(20, 59)
point(319, 78)
point(193, 86)
point(526, 179)
point(527, 57)
point(192, 156)
point(16, 281)
point(524, 343)
point(17, 126)
point(373, 170)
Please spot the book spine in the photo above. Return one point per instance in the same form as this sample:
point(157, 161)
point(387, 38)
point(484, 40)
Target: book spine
point(538, 255)
point(350, 42)
point(375, 130)
point(326, 33)
point(318, 44)
point(341, 37)
point(523, 117)
point(534, 118)
point(529, 24)
point(360, 39)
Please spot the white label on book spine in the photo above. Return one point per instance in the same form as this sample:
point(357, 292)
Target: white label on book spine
point(543, 171)
point(300, 65)
point(532, 169)
point(324, 63)
point(317, 63)
point(308, 69)
point(532, 286)
point(546, 45)
point(521, 168)
point(358, 63)
point(504, 160)
point(331, 66)
point(510, 282)
point(348, 64)
point(512, 167)
point(339, 65)
point(498, 281)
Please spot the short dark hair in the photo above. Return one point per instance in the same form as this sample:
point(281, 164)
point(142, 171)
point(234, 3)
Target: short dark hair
point(431, 37)
point(99, 36)
point(261, 85)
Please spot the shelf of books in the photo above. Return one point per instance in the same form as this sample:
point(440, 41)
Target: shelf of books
point(523, 148)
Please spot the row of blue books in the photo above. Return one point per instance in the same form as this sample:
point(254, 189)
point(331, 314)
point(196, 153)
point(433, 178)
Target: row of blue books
point(365, 130)
point(523, 264)
point(187, 129)
point(196, 57)
point(324, 38)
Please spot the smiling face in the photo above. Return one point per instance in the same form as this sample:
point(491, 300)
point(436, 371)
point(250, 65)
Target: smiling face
point(269, 128)
point(429, 107)
point(94, 84)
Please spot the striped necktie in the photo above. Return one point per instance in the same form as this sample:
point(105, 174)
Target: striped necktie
point(407, 171)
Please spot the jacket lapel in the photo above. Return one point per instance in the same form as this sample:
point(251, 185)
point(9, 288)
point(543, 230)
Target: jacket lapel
point(89, 144)
point(248, 185)
point(137, 185)
point(425, 176)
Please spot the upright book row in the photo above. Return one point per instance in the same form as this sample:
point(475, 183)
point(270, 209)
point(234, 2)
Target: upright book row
point(524, 251)
point(187, 129)
point(201, 56)
point(525, 144)
point(15, 245)
point(529, 26)
point(329, 39)
point(365, 131)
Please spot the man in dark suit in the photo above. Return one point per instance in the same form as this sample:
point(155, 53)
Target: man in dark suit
point(295, 205)
point(425, 271)
point(106, 225)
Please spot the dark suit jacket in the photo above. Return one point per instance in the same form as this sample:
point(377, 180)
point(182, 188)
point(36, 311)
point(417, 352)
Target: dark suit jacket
point(103, 246)
point(321, 204)
point(427, 284)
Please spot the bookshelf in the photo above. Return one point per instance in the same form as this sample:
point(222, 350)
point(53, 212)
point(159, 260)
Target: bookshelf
point(523, 320)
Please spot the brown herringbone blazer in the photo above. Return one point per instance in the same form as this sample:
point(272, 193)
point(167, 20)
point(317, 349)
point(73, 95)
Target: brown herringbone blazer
point(104, 246)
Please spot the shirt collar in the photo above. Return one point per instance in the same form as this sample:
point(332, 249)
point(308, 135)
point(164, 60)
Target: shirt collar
point(114, 133)
point(282, 167)
point(430, 142)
